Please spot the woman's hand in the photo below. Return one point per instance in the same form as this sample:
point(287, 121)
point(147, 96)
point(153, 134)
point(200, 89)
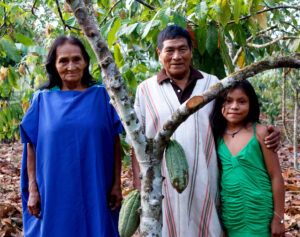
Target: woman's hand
point(277, 228)
point(34, 201)
point(272, 141)
point(115, 197)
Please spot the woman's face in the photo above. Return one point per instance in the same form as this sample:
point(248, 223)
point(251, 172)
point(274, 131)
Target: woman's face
point(70, 64)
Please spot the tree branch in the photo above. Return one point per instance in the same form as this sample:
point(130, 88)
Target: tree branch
point(33, 8)
point(62, 19)
point(240, 50)
point(259, 46)
point(110, 10)
point(146, 4)
point(197, 102)
point(266, 10)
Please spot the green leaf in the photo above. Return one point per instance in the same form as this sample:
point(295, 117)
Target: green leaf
point(71, 21)
point(224, 54)
point(179, 20)
point(131, 28)
point(225, 13)
point(23, 39)
point(149, 25)
point(130, 78)
point(212, 39)
point(11, 51)
point(104, 3)
point(12, 77)
point(2, 4)
point(164, 17)
point(118, 55)
point(201, 34)
point(237, 6)
point(111, 38)
point(239, 34)
point(201, 11)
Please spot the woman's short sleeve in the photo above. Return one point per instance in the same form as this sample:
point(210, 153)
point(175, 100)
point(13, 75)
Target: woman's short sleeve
point(116, 122)
point(29, 124)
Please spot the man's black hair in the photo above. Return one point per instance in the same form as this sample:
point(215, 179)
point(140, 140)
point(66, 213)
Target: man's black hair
point(173, 32)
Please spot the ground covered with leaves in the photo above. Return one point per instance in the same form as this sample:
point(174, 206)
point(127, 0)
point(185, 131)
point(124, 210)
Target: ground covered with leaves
point(10, 201)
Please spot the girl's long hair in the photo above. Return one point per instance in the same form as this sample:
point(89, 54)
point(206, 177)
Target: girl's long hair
point(219, 123)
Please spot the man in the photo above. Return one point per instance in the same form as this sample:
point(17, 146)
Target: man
point(193, 212)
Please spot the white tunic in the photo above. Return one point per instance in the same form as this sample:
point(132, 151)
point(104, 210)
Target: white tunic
point(193, 212)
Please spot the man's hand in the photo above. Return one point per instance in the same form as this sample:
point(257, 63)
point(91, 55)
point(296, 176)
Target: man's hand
point(115, 197)
point(272, 141)
point(34, 203)
point(277, 228)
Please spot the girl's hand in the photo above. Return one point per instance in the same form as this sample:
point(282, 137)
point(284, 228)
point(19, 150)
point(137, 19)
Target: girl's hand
point(277, 228)
point(34, 203)
point(115, 197)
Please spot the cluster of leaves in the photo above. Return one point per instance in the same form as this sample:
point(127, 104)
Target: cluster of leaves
point(225, 37)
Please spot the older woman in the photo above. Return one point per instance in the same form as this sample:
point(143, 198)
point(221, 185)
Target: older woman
point(70, 176)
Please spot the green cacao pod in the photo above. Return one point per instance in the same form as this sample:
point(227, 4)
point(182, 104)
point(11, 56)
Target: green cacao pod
point(177, 166)
point(129, 219)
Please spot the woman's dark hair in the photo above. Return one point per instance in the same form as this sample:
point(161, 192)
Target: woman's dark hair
point(53, 76)
point(173, 32)
point(218, 122)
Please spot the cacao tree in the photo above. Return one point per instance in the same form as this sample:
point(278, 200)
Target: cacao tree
point(227, 36)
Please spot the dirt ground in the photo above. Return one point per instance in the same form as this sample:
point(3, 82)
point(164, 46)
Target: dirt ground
point(10, 201)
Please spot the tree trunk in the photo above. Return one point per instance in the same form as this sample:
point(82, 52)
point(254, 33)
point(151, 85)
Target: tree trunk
point(283, 108)
point(295, 140)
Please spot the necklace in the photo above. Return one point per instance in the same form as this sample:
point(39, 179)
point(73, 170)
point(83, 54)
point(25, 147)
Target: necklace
point(234, 133)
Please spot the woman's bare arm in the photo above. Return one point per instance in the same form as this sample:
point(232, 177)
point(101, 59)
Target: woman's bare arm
point(34, 196)
point(115, 197)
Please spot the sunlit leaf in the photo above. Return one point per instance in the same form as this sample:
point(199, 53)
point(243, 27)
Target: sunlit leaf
point(237, 7)
point(112, 32)
point(149, 25)
point(23, 39)
point(241, 59)
point(225, 13)
point(118, 55)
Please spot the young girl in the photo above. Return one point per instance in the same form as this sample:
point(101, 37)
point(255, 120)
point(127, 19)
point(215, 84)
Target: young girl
point(252, 189)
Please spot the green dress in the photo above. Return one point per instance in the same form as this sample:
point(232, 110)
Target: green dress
point(246, 191)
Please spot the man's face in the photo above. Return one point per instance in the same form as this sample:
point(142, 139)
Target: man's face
point(176, 56)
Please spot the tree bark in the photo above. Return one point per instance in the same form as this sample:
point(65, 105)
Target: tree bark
point(283, 106)
point(295, 139)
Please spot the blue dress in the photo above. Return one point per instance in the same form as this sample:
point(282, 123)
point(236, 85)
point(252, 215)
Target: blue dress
point(73, 136)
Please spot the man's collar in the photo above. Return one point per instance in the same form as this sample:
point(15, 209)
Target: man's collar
point(194, 74)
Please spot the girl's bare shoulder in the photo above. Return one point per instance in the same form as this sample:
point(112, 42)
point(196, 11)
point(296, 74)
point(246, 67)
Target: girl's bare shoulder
point(261, 131)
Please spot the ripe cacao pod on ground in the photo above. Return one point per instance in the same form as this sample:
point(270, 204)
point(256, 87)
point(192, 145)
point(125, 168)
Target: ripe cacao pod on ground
point(177, 166)
point(129, 219)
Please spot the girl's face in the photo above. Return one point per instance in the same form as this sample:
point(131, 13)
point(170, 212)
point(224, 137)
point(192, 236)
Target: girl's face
point(236, 106)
